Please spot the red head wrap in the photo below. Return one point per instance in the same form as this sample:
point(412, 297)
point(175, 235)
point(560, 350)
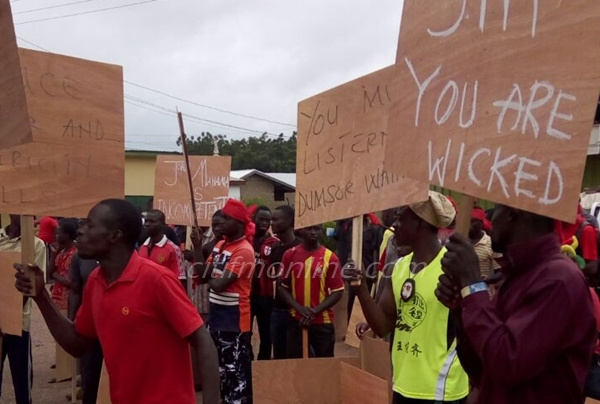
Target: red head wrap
point(478, 213)
point(237, 210)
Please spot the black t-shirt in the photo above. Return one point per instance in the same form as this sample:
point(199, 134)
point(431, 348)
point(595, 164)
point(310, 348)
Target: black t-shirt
point(276, 256)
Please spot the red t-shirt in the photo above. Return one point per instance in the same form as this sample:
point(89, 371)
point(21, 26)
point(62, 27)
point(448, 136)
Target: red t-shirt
point(163, 253)
point(142, 321)
point(311, 276)
point(230, 309)
point(588, 243)
point(264, 284)
point(48, 226)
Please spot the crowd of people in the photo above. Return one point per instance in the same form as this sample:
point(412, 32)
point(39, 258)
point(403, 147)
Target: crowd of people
point(506, 313)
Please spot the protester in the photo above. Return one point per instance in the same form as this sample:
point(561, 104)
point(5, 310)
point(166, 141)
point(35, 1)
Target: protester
point(311, 285)
point(587, 237)
point(282, 224)
point(229, 273)
point(203, 249)
point(18, 348)
point(425, 367)
point(532, 343)
point(47, 232)
point(262, 302)
point(482, 243)
point(59, 265)
point(132, 306)
point(158, 248)
point(343, 236)
point(91, 360)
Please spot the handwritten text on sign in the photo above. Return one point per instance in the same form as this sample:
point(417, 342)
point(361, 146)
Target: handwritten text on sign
point(210, 180)
point(497, 98)
point(14, 118)
point(342, 136)
point(77, 157)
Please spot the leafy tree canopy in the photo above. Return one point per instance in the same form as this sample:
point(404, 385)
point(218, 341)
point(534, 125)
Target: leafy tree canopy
point(265, 153)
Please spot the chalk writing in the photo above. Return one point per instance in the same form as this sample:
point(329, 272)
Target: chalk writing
point(50, 84)
point(210, 185)
point(89, 130)
point(319, 120)
point(375, 98)
point(462, 16)
point(494, 164)
point(200, 174)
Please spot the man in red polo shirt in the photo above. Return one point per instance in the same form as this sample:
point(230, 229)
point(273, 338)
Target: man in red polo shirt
point(157, 247)
point(311, 285)
point(228, 272)
point(137, 310)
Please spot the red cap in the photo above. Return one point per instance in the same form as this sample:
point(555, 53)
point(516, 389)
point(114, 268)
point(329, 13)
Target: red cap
point(237, 210)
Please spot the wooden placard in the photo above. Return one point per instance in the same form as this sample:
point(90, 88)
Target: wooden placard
point(14, 116)
point(11, 300)
point(375, 357)
point(497, 99)
point(359, 386)
point(342, 135)
point(77, 157)
point(298, 381)
point(104, 387)
point(210, 179)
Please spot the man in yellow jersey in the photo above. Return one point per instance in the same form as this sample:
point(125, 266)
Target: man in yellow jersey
point(426, 368)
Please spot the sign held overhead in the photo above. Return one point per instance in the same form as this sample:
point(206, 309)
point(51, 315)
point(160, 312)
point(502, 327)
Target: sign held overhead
point(497, 99)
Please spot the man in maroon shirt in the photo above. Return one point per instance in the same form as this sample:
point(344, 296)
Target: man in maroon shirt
point(533, 342)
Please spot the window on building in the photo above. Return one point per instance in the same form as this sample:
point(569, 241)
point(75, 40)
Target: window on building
point(279, 195)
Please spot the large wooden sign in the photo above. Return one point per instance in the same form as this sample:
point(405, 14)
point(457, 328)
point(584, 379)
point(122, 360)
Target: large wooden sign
point(14, 117)
point(496, 99)
point(210, 180)
point(342, 136)
point(77, 157)
point(11, 309)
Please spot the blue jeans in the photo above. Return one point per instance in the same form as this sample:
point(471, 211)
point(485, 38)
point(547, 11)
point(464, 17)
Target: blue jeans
point(279, 324)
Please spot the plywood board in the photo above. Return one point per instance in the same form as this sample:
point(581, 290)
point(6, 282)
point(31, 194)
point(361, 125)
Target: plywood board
point(342, 136)
point(298, 381)
point(11, 300)
point(14, 116)
point(210, 180)
point(375, 358)
point(104, 387)
point(497, 99)
point(64, 364)
point(356, 317)
point(340, 317)
point(358, 386)
point(77, 157)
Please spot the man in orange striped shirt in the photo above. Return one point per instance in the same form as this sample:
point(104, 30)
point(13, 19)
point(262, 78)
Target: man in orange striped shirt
point(311, 285)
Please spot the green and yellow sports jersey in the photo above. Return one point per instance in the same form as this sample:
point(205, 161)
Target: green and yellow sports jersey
point(425, 362)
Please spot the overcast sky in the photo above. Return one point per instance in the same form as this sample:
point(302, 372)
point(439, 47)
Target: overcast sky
point(252, 57)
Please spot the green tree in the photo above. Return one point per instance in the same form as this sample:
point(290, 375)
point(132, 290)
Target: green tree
point(265, 153)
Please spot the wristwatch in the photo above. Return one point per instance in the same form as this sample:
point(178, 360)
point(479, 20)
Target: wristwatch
point(474, 288)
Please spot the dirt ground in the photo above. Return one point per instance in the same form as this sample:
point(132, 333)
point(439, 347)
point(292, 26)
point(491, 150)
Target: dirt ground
point(43, 357)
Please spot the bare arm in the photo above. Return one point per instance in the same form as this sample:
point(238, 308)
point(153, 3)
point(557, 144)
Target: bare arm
point(220, 284)
point(329, 301)
point(380, 315)
point(287, 297)
point(61, 328)
point(203, 347)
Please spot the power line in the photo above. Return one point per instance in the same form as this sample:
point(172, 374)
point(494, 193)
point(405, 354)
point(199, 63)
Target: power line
point(184, 100)
point(208, 106)
point(55, 6)
point(171, 112)
point(87, 12)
